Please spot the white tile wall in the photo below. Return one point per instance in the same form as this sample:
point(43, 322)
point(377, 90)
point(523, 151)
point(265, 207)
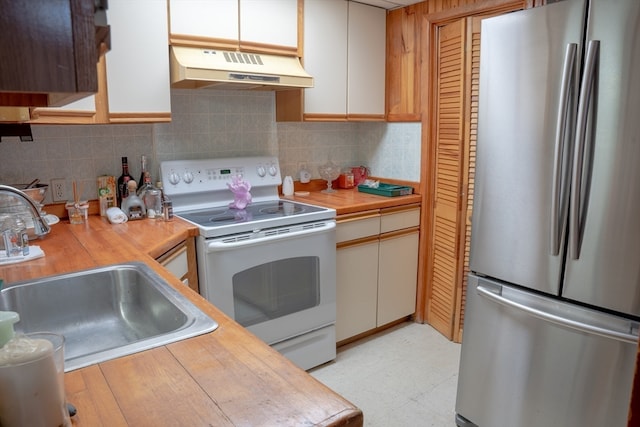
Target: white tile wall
point(205, 124)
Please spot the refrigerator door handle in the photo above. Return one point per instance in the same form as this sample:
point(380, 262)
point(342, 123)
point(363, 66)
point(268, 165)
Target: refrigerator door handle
point(550, 313)
point(586, 91)
point(559, 183)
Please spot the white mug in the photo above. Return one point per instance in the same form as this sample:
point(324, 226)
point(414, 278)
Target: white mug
point(287, 186)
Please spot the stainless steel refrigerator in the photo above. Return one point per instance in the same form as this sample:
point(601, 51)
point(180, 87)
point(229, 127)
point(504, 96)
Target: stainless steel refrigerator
point(553, 302)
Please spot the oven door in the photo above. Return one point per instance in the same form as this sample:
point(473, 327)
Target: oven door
point(279, 286)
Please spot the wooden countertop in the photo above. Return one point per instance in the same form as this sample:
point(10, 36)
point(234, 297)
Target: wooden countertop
point(351, 200)
point(226, 377)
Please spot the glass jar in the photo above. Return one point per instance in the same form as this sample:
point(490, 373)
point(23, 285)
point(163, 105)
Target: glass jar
point(14, 236)
point(153, 203)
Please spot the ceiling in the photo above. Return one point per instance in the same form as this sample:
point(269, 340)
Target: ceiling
point(389, 4)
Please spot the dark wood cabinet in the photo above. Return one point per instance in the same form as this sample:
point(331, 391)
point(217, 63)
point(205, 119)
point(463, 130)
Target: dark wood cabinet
point(49, 51)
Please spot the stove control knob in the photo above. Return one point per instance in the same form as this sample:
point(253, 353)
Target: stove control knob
point(261, 171)
point(187, 177)
point(273, 170)
point(174, 178)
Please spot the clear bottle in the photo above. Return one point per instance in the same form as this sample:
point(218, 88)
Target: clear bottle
point(145, 185)
point(151, 198)
point(133, 206)
point(167, 205)
point(122, 181)
point(143, 170)
point(21, 229)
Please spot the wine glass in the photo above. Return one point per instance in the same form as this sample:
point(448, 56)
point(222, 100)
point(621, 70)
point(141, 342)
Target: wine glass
point(329, 172)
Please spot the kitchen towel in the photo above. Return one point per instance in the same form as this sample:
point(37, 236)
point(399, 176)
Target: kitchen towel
point(34, 252)
point(116, 215)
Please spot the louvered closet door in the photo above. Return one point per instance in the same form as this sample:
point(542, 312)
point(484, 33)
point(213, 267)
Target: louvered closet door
point(449, 163)
point(468, 180)
point(456, 120)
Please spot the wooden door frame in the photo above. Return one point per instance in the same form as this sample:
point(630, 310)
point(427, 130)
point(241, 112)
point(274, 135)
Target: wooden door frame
point(429, 24)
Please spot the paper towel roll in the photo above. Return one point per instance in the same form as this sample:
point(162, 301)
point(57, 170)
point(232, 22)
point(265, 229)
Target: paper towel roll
point(31, 386)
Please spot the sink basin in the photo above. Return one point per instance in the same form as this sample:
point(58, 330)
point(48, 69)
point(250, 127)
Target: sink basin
point(105, 312)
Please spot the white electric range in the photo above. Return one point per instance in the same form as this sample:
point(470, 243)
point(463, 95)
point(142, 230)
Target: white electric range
point(270, 266)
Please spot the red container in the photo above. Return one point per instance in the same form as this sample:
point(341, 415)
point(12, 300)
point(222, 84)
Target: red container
point(346, 180)
point(360, 174)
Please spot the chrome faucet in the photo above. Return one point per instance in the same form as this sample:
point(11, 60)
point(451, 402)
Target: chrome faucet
point(40, 225)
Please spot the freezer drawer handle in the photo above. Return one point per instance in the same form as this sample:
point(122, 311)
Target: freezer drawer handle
point(558, 320)
point(558, 206)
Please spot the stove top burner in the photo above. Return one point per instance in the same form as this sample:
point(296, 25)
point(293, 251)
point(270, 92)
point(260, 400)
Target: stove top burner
point(261, 211)
point(283, 208)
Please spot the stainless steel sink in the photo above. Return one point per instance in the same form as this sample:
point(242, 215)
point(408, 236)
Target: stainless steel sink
point(105, 312)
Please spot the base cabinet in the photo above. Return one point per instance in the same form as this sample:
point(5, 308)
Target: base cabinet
point(181, 262)
point(376, 269)
point(357, 289)
point(397, 275)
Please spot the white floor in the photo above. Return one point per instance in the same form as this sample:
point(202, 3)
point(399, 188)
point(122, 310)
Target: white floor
point(404, 376)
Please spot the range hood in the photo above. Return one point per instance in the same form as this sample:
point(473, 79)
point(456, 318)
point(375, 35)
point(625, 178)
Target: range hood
point(196, 68)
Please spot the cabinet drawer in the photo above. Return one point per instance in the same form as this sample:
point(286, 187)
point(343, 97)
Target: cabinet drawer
point(357, 228)
point(398, 220)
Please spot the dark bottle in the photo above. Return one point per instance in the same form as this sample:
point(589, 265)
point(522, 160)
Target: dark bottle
point(122, 180)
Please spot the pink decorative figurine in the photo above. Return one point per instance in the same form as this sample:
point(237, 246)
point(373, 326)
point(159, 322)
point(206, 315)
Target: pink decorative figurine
point(240, 189)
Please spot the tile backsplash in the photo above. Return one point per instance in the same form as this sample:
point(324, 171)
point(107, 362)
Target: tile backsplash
point(207, 124)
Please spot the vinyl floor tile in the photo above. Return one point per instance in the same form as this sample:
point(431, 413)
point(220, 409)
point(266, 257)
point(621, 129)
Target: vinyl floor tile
point(404, 376)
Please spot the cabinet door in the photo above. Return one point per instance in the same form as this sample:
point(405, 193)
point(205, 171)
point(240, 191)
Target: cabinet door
point(325, 57)
point(403, 79)
point(356, 289)
point(270, 22)
point(445, 263)
point(397, 277)
point(203, 18)
point(366, 61)
point(181, 262)
point(134, 85)
point(82, 111)
point(138, 62)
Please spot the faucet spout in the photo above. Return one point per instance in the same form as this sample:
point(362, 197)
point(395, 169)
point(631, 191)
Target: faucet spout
point(40, 225)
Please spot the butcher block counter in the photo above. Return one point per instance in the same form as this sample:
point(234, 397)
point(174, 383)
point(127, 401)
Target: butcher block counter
point(227, 377)
point(348, 201)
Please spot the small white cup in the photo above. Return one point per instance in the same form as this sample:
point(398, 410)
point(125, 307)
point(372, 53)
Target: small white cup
point(287, 186)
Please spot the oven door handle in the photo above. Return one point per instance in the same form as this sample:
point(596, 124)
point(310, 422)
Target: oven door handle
point(233, 243)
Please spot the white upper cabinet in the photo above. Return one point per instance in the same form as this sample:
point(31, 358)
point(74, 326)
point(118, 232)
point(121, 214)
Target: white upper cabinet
point(232, 23)
point(325, 56)
point(344, 51)
point(271, 22)
point(366, 60)
point(138, 63)
point(205, 18)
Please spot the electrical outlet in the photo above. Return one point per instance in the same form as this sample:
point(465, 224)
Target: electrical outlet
point(58, 190)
